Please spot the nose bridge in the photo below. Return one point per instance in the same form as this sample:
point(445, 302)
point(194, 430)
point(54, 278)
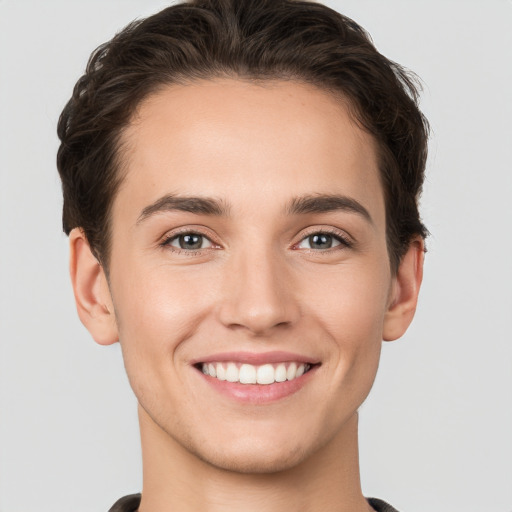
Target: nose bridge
point(258, 294)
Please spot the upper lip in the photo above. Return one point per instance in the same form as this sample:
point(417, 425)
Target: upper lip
point(255, 358)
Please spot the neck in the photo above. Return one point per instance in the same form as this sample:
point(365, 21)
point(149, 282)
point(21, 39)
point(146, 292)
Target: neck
point(175, 479)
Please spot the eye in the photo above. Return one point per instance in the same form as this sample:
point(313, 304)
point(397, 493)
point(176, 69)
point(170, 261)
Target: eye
point(321, 241)
point(189, 242)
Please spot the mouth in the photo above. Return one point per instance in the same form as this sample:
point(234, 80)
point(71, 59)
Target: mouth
point(256, 378)
point(263, 374)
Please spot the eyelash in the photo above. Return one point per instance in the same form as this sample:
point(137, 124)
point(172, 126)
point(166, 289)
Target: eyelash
point(344, 241)
point(166, 242)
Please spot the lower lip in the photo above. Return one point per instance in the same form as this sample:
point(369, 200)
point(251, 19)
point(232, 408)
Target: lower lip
point(258, 393)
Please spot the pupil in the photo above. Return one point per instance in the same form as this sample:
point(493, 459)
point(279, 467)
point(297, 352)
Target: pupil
point(191, 241)
point(320, 241)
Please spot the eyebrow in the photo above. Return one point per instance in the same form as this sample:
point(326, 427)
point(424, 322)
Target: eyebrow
point(318, 203)
point(324, 203)
point(197, 205)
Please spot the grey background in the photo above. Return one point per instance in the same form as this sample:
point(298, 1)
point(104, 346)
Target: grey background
point(436, 430)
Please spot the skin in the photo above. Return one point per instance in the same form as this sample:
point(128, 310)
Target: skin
point(258, 284)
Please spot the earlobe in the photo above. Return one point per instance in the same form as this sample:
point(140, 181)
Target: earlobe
point(90, 286)
point(404, 294)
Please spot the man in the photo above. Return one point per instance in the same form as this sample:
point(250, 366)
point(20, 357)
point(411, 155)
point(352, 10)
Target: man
point(240, 186)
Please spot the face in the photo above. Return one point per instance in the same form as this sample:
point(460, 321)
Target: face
point(249, 271)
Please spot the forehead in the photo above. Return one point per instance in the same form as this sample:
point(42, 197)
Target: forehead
point(240, 141)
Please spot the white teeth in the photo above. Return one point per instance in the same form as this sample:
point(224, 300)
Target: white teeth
point(221, 372)
point(265, 374)
point(232, 373)
point(280, 373)
point(247, 374)
point(250, 374)
point(292, 370)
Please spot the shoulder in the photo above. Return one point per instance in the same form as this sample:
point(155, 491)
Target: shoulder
point(129, 503)
point(380, 506)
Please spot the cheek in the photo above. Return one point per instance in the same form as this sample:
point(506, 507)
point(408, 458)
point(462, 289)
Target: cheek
point(351, 300)
point(158, 302)
point(154, 315)
point(159, 310)
point(351, 311)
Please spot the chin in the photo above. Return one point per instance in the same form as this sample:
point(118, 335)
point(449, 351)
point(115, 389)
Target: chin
point(269, 448)
point(252, 460)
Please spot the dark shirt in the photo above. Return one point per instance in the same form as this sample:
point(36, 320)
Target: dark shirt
point(131, 504)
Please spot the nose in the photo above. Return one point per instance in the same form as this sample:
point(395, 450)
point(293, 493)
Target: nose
point(258, 294)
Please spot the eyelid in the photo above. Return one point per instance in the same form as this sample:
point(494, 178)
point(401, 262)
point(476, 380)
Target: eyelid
point(165, 240)
point(176, 238)
point(336, 242)
point(345, 241)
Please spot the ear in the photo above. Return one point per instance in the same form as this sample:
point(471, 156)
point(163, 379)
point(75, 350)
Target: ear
point(404, 292)
point(92, 294)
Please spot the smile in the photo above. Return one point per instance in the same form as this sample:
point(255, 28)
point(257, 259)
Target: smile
point(264, 374)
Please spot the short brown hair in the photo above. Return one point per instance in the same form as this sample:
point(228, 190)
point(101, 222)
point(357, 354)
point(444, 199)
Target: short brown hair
point(250, 40)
